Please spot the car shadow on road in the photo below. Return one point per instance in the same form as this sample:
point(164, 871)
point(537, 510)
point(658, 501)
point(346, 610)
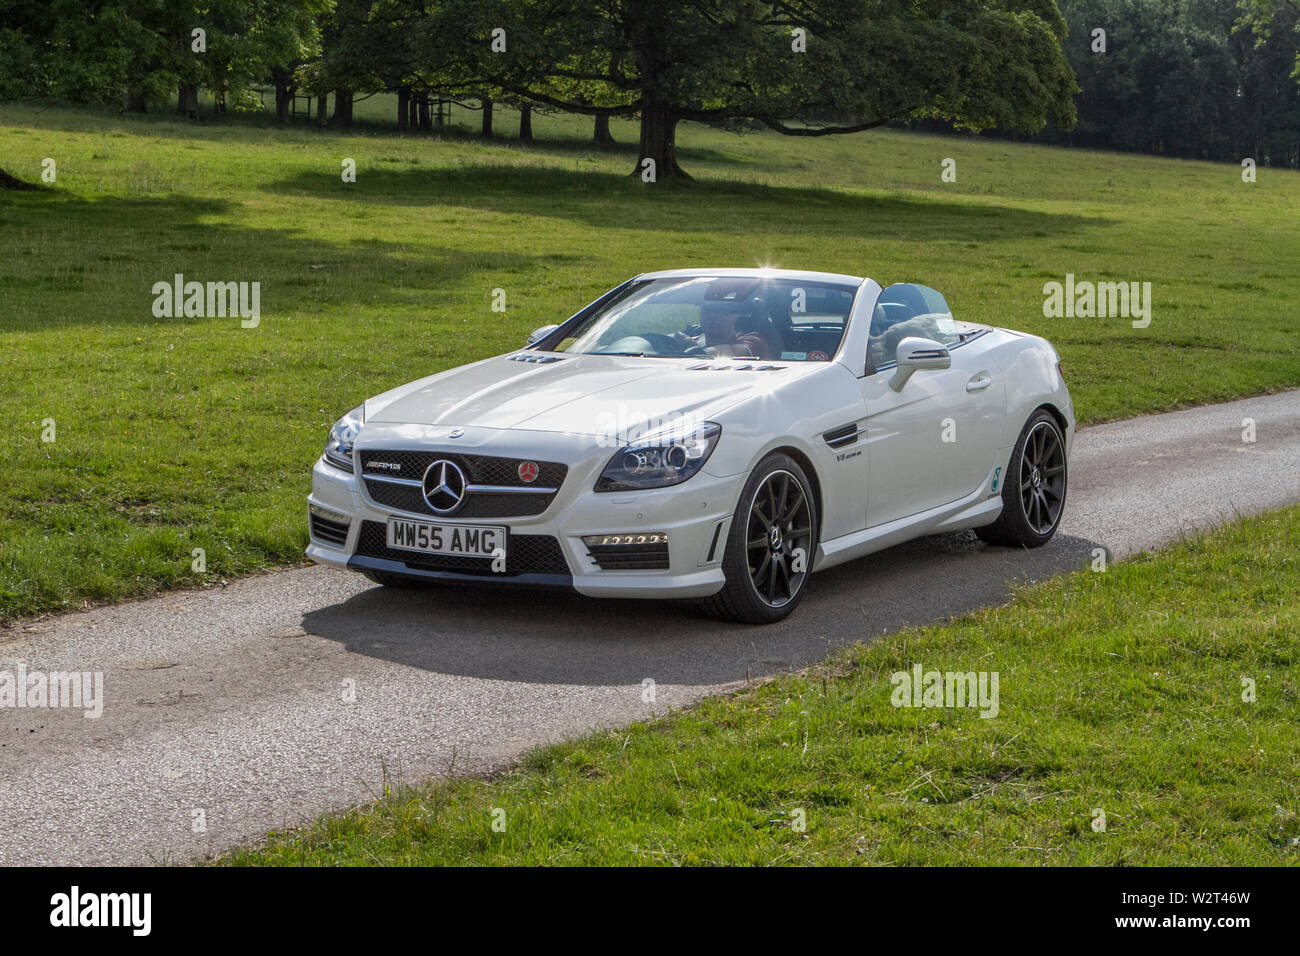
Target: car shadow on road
point(562, 638)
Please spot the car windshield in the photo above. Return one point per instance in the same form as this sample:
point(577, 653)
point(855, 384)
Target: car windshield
point(748, 317)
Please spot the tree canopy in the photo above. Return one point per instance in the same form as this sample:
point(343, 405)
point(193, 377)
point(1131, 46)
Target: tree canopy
point(1205, 78)
point(801, 68)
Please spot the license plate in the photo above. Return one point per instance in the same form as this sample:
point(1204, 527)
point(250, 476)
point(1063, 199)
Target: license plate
point(471, 541)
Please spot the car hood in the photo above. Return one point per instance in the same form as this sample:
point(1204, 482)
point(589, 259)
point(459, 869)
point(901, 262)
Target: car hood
point(578, 394)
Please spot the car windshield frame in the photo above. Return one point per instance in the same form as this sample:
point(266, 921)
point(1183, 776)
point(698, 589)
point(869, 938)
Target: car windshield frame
point(712, 317)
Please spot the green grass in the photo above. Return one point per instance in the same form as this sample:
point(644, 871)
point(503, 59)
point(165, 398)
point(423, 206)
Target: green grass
point(1119, 691)
point(195, 433)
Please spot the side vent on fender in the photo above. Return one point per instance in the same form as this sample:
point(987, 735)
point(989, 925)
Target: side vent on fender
point(843, 436)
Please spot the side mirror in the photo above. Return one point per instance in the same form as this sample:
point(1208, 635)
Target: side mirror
point(916, 354)
point(538, 334)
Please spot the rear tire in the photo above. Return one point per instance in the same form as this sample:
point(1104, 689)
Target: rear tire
point(770, 547)
point(1033, 491)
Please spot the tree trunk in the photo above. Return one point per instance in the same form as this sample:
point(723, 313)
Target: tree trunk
point(526, 123)
point(187, 100)
point(602, 135)
point(659, 142)
point(487, 118)
point(322, 110)
point(426, 121)
point(403, 109)
point(342, 109)
point(413, 112)
point(135, 103)
point(283, 94)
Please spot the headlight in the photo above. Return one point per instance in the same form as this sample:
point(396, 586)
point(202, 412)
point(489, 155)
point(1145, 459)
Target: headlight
point(668, 458)
point(338, 449)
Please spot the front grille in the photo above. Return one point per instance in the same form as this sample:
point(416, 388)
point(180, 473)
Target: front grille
point(525, 554)
point(331, 532)
point(616, 557)
point(478, 469)
point(477, 504)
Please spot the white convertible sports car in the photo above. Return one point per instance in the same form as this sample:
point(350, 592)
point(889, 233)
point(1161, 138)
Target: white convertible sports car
point(705, 433)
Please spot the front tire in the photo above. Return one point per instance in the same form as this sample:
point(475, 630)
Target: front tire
point(770, 547)
point(1033, 492)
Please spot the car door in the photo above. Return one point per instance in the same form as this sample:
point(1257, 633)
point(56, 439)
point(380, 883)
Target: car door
point(900, 431)
point(975, 393)
point(932, 441)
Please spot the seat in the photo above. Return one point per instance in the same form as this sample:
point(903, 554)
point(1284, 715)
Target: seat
point(759, 323)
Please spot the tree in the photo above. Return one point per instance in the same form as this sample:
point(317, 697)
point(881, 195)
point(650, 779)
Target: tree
point(96, 52)
point(1166, 82)
point(418, 49)
point(865, 63)
point(101, 51)
point(1187, 78)
point(1266, 18)
point(134, 52)
point(1269, 41)
point(281, 37)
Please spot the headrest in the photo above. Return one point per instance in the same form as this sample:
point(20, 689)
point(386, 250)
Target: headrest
point(751, 309)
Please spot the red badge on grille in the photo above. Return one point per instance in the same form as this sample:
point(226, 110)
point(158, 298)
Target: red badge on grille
point(528, 471)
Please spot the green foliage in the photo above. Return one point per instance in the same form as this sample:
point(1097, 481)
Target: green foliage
point(129, 53)
point(996, 63)
point(1186, 78)
point(1269, 18)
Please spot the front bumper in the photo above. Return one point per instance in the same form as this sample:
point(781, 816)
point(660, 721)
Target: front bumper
point(696, 516)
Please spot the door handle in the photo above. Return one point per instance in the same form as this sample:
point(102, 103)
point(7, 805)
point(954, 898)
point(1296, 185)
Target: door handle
point(982, 380)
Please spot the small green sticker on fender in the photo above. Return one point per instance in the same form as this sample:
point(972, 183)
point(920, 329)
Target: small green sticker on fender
point(996, 472)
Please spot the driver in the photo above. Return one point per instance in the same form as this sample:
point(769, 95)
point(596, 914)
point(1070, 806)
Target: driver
point(718, 321)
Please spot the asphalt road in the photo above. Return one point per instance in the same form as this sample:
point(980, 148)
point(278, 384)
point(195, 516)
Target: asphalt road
point(226, 711)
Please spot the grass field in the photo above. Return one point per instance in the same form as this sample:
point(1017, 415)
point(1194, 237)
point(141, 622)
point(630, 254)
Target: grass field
point(1121, 698)
point(175, 434)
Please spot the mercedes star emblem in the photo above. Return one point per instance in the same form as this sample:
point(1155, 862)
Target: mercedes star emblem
point(443, 486)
